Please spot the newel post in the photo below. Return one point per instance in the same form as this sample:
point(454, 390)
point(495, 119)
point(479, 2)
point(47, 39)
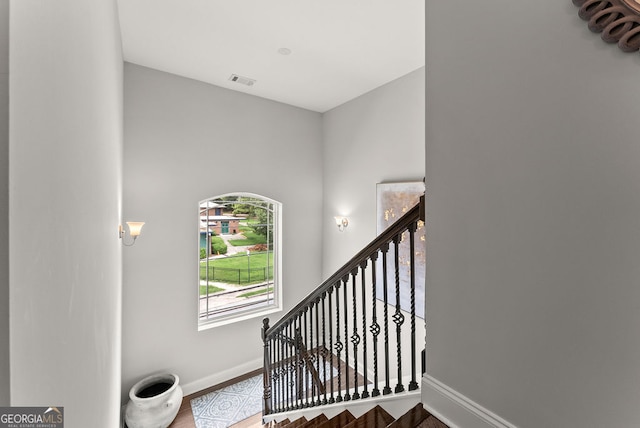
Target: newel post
point(266, 370)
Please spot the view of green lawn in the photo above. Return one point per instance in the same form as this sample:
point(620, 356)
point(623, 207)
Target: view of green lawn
point(251, 238)
point(239, 269)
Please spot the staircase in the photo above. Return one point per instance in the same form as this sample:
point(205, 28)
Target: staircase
point(377, 417)
point(354, 342)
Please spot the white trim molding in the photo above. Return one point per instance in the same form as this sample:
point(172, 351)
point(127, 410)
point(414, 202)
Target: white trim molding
point(222, 376)
point(456, 410)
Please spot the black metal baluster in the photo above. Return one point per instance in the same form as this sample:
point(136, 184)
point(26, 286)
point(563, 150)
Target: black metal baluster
point(324, 349)
point(293, 368)
point(285, 372)
point(266, 372)
point(276, 361)
point(387, 388)
point(421, 224)
point(306, 371)
point(347, 395)
point(330, 349)
point(365, 391)
point(269, 402)
point(317, 351)
point(413, 384)
point(283, 392)
point(375, 327)
point(281, 376)
point(292, 363)
point(290, 366)
point(295, 358)
point(276, 372)
point(310, 359)
point(338, 343)
point(285, 377)
point(289, 384)
point(274, 376)
point(355, 337)
point(282, 372)
point(299, 377)
point(398, 317)
point(285, 367)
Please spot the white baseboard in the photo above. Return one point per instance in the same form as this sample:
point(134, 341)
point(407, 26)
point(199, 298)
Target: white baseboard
point(456, 410)
point(219, 377)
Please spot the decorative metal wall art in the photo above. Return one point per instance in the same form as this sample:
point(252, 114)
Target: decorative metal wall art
point(618, 21)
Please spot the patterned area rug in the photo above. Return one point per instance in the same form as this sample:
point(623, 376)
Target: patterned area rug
point(227, 406)
point(237, 402)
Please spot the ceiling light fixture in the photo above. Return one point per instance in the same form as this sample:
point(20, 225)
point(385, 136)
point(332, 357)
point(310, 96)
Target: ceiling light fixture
point(284, 51)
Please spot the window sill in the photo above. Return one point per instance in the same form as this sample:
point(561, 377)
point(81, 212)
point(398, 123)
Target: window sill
point(231, 319)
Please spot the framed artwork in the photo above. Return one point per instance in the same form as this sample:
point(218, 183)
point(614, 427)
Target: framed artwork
point(393, 200)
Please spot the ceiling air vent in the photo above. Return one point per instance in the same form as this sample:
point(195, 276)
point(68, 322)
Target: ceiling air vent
point(243, 80)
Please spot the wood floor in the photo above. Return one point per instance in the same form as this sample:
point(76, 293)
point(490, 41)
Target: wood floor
point(184, 419)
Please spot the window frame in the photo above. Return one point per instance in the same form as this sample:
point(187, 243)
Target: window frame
point(245, 314)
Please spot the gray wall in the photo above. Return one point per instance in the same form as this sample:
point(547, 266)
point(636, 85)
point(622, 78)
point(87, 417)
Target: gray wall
point(4, 203)
point(377, 137)
point(64, 208)
point(533, 202)
point(186, 141)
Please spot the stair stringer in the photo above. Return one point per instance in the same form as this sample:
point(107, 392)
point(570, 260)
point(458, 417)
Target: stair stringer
point(395, 404)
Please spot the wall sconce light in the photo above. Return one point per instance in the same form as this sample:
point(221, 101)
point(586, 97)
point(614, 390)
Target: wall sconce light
point(135, 228)
point(341, 222)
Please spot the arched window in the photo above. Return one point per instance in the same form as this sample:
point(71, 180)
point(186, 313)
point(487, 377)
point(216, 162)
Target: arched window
point(239, 267)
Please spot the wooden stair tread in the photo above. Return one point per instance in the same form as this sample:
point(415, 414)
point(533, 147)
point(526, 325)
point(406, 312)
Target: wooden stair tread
point(297, 423)
point(281, 423)
point(313, 423)
point(412, 418)
point(338, 421)
point(377, 417)
point(374, 418)
point(431, 422)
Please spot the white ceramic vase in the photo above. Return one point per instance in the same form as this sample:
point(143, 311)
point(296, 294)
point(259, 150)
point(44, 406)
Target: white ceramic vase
point(154, 402)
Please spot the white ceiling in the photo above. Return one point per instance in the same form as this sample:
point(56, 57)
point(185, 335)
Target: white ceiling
point(340, 49)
